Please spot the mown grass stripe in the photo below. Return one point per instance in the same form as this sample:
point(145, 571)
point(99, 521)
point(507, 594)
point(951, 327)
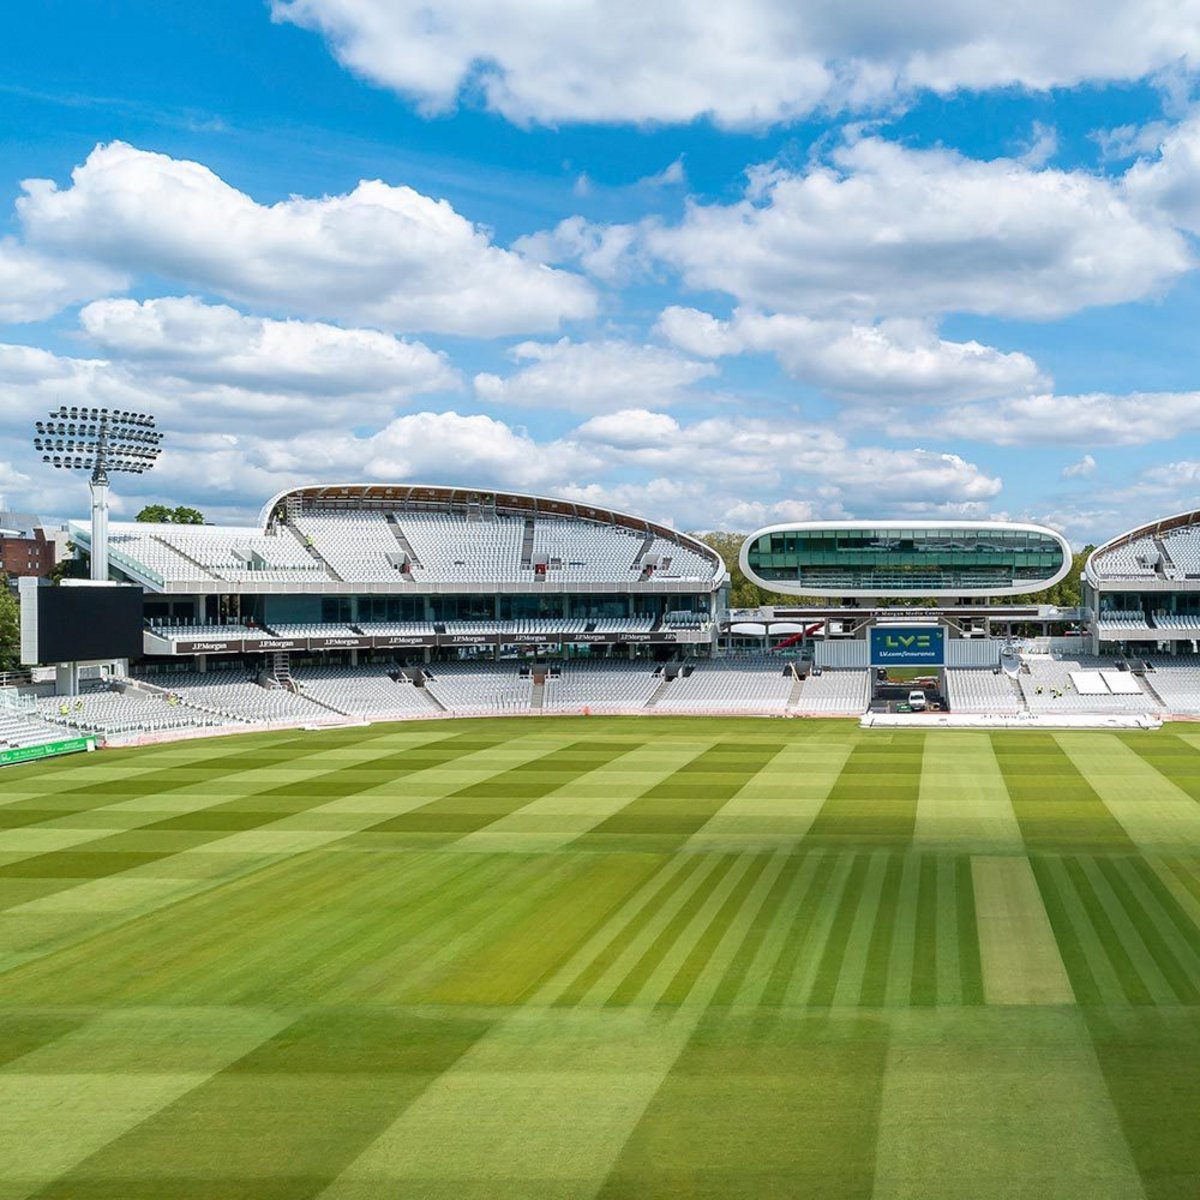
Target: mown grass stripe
point(702, 953)
point(904, 939)
point(970, 965)
point(1142, 919)
point(873, 991)
point(1132, 984)
point(854, 963)
point(874, 799)
point(626, 991)
point(949, 990)
point(925, 942)
point(818, 934)
point(796, 931)
point(677, 807)
point(1055, 805)
point(590, 973)
point(829, 967)
point(1093, 978)
point(479, 804)
point(765, 921)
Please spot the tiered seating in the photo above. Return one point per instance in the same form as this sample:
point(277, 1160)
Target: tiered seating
point(1172, 620)
point(580, 551)
point(1128, 618)
point(143, 544)
point(679, 562)
point(356, 545)
point(19, 729)
point(397, 628)
point(175, 630)
point(981, 691)
point(1049, 688)
point(312, 629)
point(683, 619)
point(450, 547)
point(361, 691)
point(835, 691)
point(112, 712)
point(479, 689)
point(748, 685)
point(1183, 547)
point(229, 552)
point(1133, 560)
point(1177, 681)
point(608, 685)
point(233, 696)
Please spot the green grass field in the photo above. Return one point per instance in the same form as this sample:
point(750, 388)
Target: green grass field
point(616, 958)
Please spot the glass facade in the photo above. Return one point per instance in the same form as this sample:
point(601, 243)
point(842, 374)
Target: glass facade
point(916, 560)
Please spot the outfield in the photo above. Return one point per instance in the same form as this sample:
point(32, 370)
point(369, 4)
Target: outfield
point(629, 958)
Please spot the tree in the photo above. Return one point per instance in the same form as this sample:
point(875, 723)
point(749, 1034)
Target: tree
point(161, 514)
point(743, 593)
point(10, 628)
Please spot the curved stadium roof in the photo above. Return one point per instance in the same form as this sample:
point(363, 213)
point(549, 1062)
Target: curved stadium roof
point(1162, 553)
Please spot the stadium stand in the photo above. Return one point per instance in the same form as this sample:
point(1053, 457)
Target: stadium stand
point(601, 686)
point(1052, 685)
point(741, 685)
point(239, 699)
point(365, 692)
point(982, 692)
point(475, 689)
point(834, 691)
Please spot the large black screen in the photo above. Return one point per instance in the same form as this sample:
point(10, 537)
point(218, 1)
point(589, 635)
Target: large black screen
point(79, 623)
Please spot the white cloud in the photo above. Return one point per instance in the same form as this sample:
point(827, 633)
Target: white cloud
point(1170, 181)
point(1094, 419)
point(187, 339)
point(609, 252)
point(34, 286)
point(379, 255)
point(1080, 470)
point(890, 360)
point(882, 230)
point(752, 63)
point(592, 376)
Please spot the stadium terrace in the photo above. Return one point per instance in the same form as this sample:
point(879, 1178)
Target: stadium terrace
point(352, 602)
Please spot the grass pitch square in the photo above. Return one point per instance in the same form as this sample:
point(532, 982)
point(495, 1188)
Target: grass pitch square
point(606, 957)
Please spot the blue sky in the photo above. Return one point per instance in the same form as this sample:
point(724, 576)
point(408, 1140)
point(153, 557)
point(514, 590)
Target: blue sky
point(722, 268)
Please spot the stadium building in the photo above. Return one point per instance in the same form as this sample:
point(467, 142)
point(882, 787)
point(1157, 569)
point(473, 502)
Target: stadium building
point(349, 602)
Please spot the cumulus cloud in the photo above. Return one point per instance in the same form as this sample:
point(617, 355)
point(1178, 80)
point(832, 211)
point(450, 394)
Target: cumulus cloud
point(883, 230)
point(1093, 419)
point(753, 63)
point(592, 376)
point(612, 253)
point(34, 286)
point(188, 339)
point(1169, 180)
point(896, 359)
point(1080, 470)
point(380, 255)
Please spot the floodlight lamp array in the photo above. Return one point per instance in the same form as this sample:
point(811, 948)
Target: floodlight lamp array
point(98, 439)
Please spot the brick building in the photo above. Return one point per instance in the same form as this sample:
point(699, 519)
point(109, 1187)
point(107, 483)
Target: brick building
point(24, 547)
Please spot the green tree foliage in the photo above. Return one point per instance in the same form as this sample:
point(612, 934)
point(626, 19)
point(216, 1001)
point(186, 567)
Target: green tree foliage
point(10, 628)
point(1068, 591)
point(743, 593)
point(161, 514)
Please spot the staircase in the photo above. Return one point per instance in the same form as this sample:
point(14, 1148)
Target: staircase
point(527, 543)
point(659, 691)
point(537, 697)
point(643, 550)
point(312, 551)
point(797, 690)
point(405, 544)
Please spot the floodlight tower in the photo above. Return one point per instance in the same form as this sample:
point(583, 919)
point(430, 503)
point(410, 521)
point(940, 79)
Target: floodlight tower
point(99, 440)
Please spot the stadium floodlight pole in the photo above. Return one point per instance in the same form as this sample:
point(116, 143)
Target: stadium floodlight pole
point(99, 440)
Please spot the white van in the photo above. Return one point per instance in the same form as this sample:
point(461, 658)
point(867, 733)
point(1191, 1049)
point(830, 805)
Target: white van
point(916, 701)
